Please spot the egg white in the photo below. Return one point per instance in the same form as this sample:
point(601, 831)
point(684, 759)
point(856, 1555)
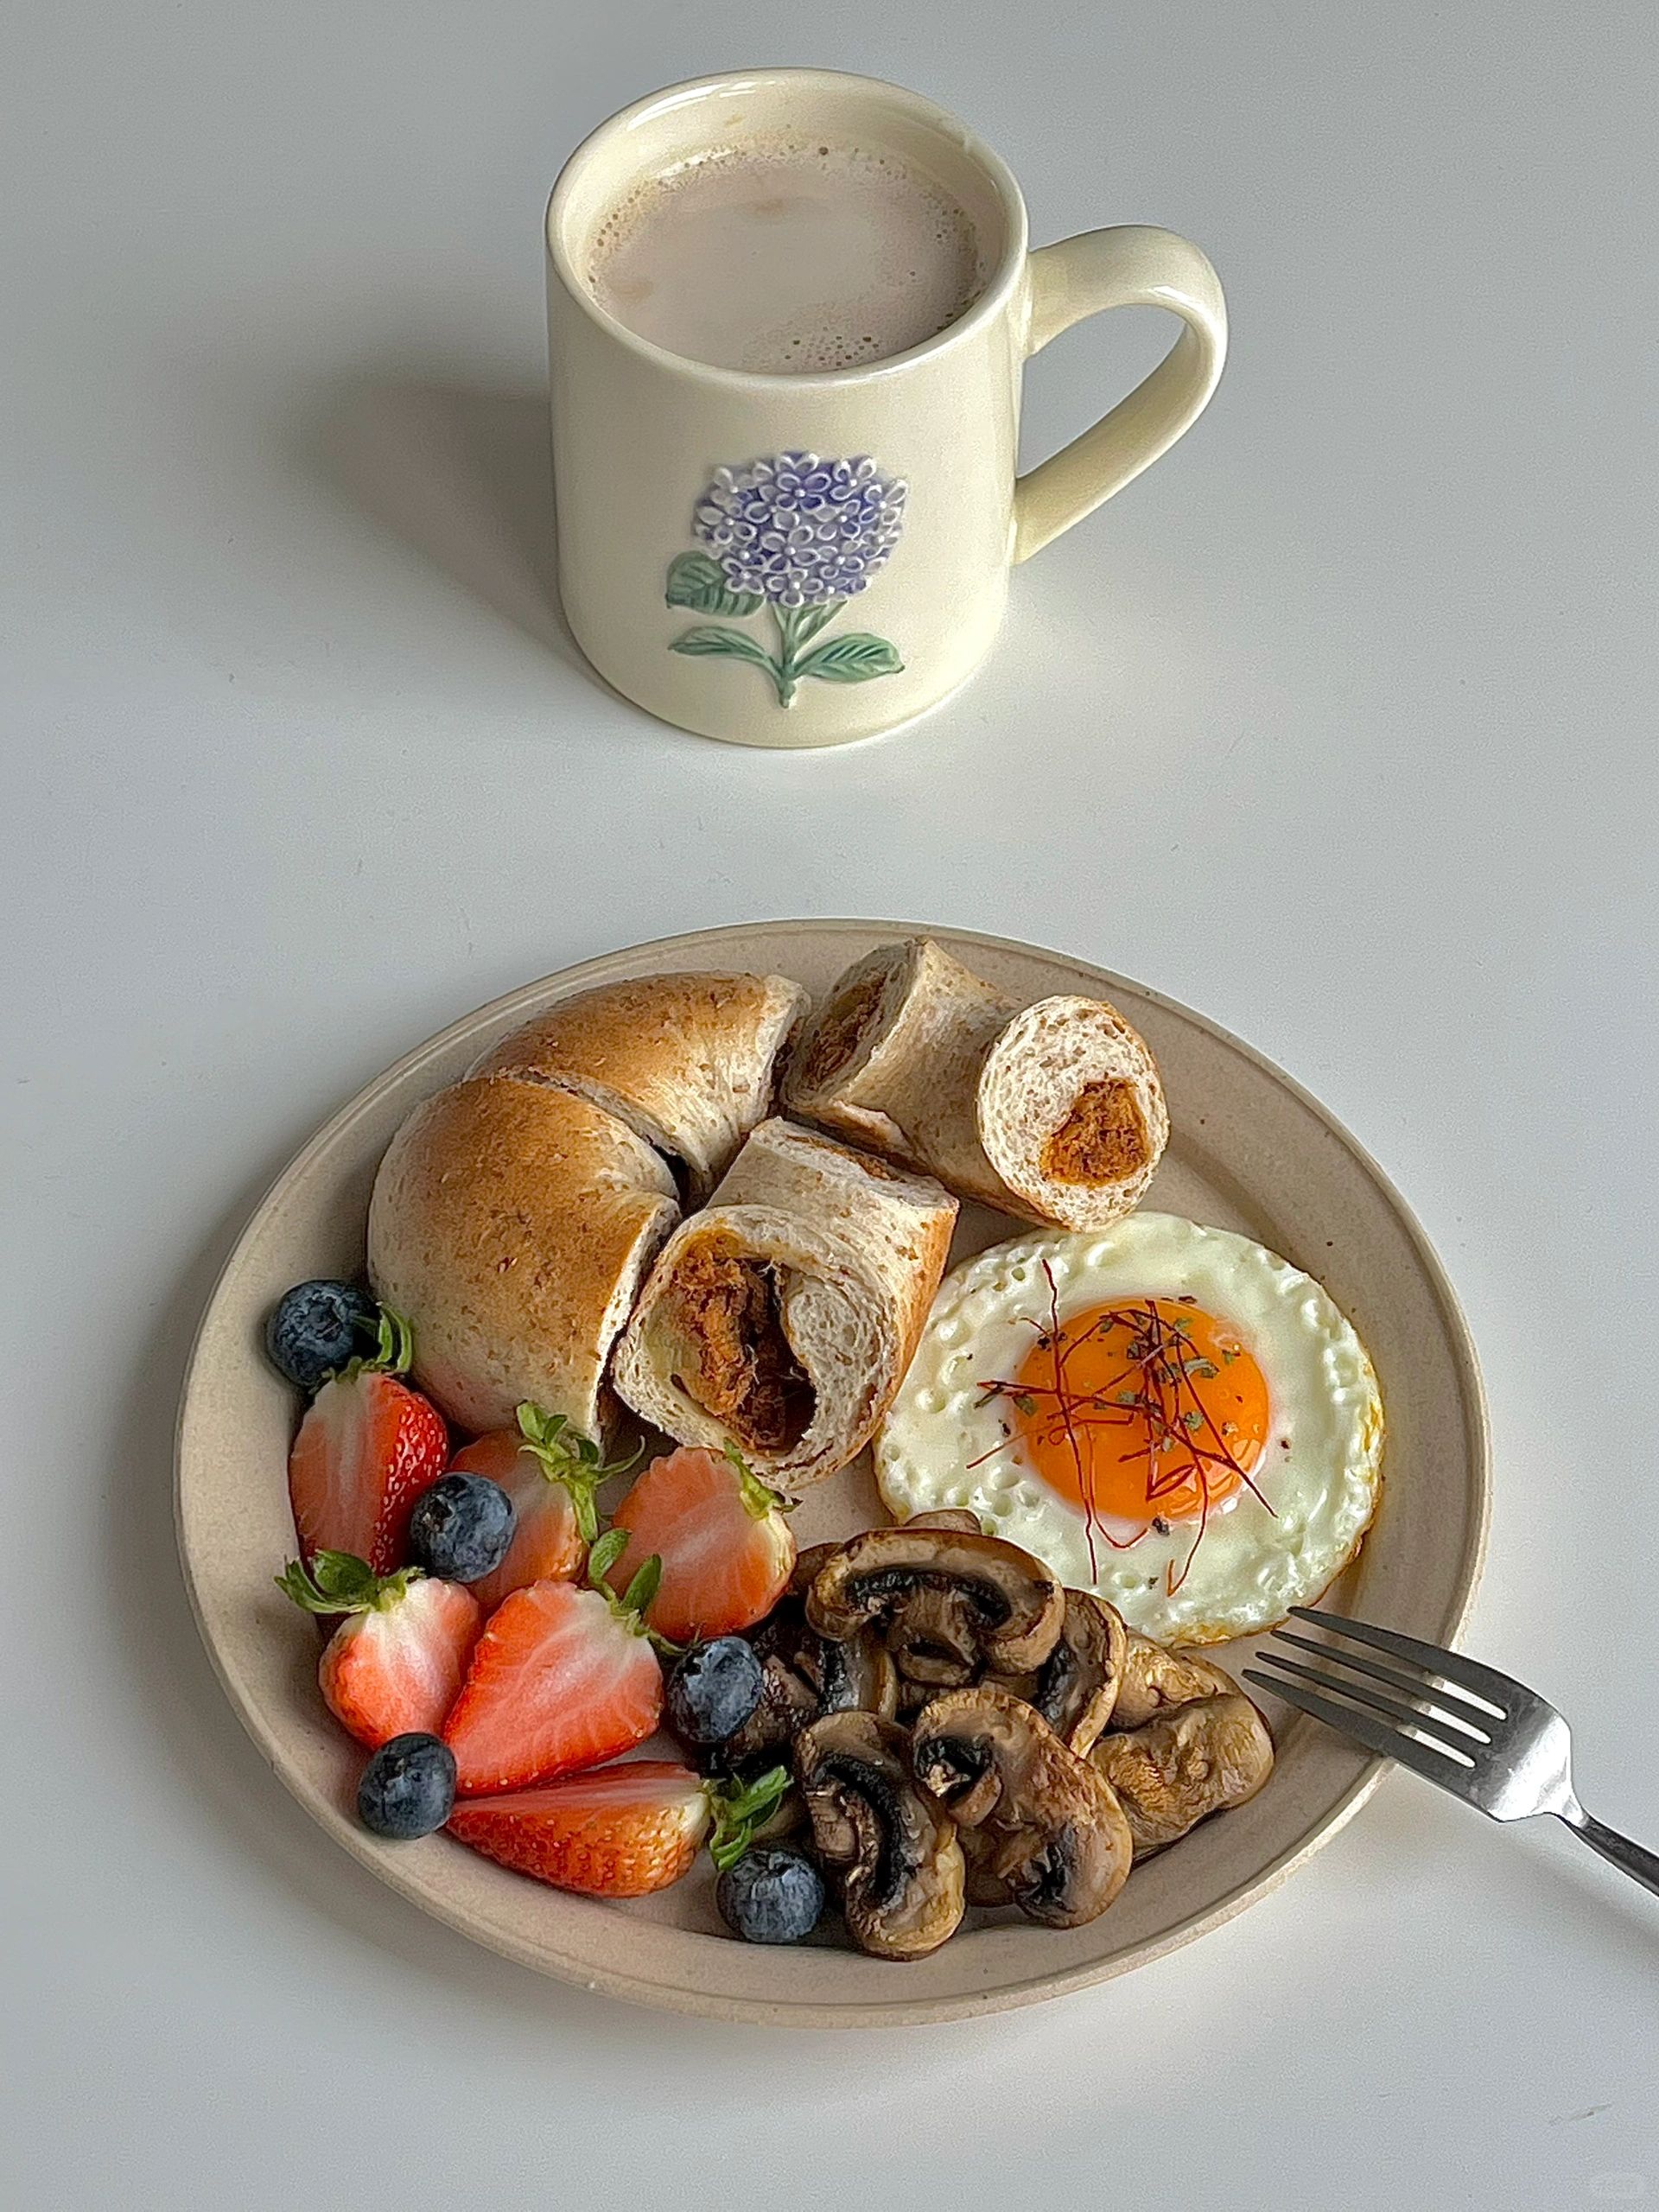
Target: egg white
point(1321, 1472)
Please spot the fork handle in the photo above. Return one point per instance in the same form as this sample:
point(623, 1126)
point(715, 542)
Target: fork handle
point(1631, 1859)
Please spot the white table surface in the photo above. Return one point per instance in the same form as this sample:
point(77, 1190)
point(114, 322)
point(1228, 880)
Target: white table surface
point(1338, 724)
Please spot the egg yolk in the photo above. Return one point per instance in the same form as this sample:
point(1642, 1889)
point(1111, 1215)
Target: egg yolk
point(1150, 1410)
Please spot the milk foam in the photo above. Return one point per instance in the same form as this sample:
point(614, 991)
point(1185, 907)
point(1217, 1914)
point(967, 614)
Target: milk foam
point(787, 257)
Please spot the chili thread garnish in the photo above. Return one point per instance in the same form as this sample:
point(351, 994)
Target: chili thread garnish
point(1181, 1442)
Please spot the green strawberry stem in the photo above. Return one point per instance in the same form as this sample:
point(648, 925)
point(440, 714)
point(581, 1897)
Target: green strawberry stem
point(339, 1582)
point(630, 1607)
point(739, 1808)
point(393, 1353)
point(568, 1457)
point(759, 1499)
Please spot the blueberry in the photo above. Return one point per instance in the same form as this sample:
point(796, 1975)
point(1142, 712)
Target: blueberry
point(771, 1895)
point(408, 1788)
point(460, 1529)
point(713, 1690)
point(316, 1328)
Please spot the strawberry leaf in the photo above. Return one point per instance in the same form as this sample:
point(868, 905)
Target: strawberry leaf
point(603, 1557)
point(573, 1460)
point(759, 1499)
point(739, 1809)
point(643, 1586)
point(339, 1582)
point(393, 1353)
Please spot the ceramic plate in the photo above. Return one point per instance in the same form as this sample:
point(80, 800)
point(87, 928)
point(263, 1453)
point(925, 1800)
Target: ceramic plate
point(1251, 1151)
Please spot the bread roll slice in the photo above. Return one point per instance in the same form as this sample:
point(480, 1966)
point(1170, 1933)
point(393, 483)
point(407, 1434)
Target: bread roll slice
point(1054, 1114)
point(782, 1318)
point(1071, 1113)
point(892, 1058)
point(686, 1060)
point(512, 1225)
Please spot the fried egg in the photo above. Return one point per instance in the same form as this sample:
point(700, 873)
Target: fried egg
point(1168, 1415)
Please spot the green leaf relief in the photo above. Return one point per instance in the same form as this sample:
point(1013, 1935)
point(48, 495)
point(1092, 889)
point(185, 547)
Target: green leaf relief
point(696, 581)
point(852, 658)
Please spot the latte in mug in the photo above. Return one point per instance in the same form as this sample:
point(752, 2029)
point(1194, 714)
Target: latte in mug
point(787, 257)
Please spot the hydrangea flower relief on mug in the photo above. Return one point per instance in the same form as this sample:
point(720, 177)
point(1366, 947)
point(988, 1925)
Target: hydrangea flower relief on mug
point(797, 536)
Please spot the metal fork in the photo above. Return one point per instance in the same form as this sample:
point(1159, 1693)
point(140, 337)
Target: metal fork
point(1480, 1735)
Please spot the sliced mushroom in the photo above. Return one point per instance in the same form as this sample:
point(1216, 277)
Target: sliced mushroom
point(859, 1673)
point(808, 1565)
point(1076, 1685)
point(978, 1601)
point(1187, 1763)
point(982, 1883)
point(1058, 1836)
point(1154, 1680)
point(948, 1516)
point(805, 1676)
point(788, 1701)
point(896, 1852)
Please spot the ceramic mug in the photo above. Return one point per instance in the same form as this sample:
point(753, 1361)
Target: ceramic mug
point(665, 468)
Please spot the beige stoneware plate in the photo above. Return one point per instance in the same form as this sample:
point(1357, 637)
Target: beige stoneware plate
point(1251, 1151)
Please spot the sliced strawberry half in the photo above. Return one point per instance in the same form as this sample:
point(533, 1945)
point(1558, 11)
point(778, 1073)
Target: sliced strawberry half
point(551, 1471)
point(561, 1679)
point(367, 1447)
point(726, 1549)
point(619, 1832)
point(393, 1666)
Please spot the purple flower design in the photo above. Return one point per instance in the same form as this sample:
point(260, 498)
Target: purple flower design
point(799, 537)
point(798, 530)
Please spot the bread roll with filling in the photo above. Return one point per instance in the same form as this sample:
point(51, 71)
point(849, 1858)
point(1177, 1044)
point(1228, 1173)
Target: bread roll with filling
point(686, 1060)
point(1054, 1113)
point(782, 1318)
point(512, 1224)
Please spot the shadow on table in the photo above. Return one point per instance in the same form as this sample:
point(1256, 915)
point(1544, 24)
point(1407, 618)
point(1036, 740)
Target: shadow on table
point(463, 474)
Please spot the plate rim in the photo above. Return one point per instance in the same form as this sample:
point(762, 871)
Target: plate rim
point(899, 2011)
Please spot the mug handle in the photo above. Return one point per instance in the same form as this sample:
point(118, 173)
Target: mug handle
point(1132, 266)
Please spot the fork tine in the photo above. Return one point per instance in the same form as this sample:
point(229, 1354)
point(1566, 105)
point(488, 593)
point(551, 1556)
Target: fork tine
point(1413, 1687)
point(1395, 1709)
point(1500, 1693)
point(1409, 1750)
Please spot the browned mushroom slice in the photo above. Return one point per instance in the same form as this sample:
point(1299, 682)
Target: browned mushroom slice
point(983, 1883)
point(948, 1516)
point(1076, 1685)
point(788, 1701)
point(1189, 1762)
point(858, 1674)
point(802, 1677)
point(1154, 1680)
point(897, 1853)
point(999, 1602)
point(807, 1566)
point(1058, 1838)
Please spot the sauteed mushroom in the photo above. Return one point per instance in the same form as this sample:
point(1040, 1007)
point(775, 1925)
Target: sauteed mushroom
point(948, 1516)
point(1057, 1837)
point(1185, 1764)
point(805, 1676)
point(899, 1860)
point(1076, 1687)
point(949, 1601)
point(1154, 1680)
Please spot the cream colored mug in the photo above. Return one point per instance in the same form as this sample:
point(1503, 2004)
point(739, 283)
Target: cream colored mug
point(659, 460)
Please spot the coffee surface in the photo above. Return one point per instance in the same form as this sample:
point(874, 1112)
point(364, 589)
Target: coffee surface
point(787, 259)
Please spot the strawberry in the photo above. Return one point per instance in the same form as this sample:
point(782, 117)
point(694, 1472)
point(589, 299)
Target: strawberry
point(621, 1832)
point(394, 1664)
point(551, 1471)
point(366, 1449)
point(726, 1548)
point(562, 1678)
